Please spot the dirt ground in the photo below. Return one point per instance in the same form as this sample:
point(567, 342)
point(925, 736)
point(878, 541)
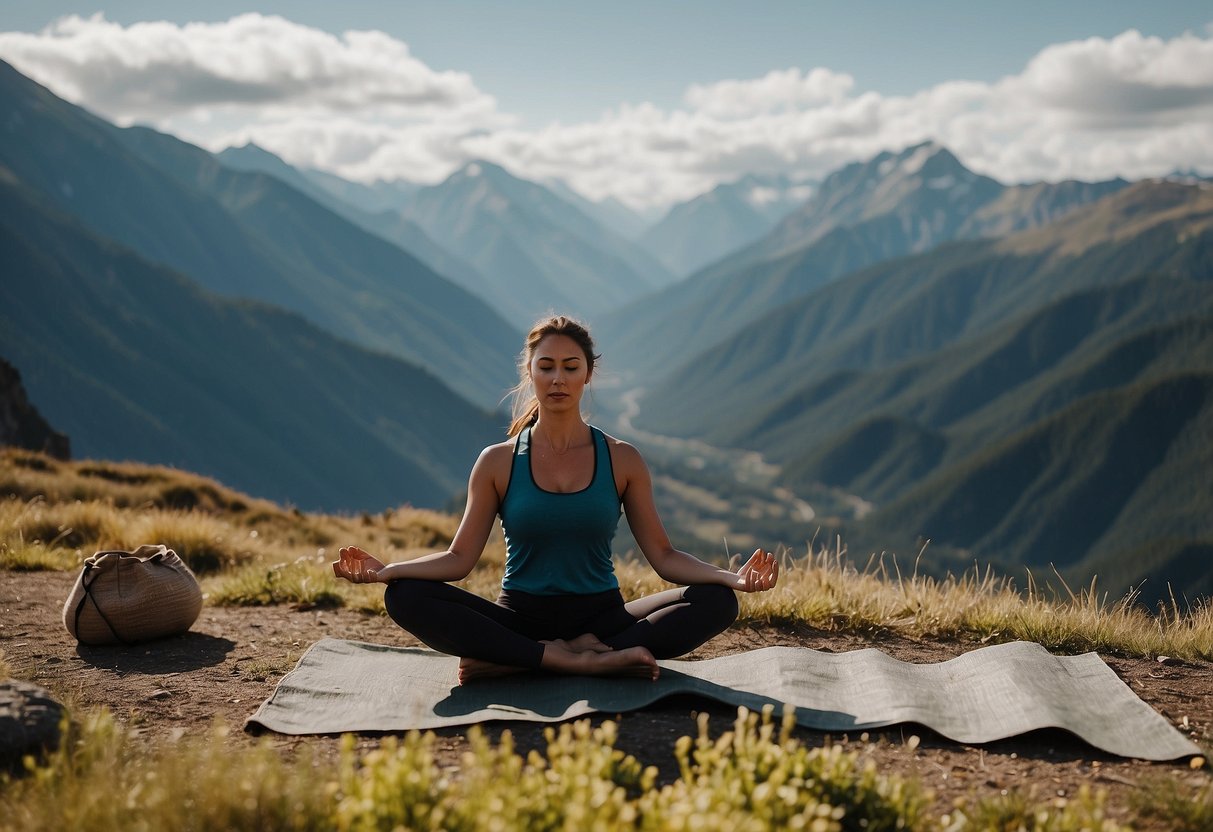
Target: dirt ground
point(233, 657)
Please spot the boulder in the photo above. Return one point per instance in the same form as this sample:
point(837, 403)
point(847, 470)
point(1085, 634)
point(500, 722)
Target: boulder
point(29, 723)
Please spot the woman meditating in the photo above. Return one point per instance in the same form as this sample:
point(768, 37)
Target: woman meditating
point(558, 485)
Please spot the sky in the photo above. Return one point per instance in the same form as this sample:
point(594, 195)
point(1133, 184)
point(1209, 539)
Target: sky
point(648, 102)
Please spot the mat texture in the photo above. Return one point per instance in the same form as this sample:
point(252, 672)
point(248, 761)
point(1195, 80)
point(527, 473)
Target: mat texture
point(988, 694)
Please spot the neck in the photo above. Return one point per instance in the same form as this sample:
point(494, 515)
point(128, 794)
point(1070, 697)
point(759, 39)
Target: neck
point(562, 432)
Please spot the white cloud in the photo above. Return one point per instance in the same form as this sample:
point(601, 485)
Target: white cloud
point(1128, 80)
point(149, 71)
point(361, 105)
point(785, 90)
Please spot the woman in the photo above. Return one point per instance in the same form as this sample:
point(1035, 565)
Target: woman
point(558, 485)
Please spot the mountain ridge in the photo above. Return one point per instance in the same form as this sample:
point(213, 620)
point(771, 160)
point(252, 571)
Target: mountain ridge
point(555, 257)
point(165, 199)
point(875, 222)
point(137, 361)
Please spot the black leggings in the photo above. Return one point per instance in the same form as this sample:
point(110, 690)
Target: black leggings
point(455, 621)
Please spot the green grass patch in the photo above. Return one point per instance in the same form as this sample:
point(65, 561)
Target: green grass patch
point(1180, 808)
point(102, 778)
point(756, 776)
point(301, 583)
point(35, 557)
point(1015, 811)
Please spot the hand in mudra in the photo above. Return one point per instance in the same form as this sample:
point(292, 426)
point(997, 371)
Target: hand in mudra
point(759, 573)
point(357, 566)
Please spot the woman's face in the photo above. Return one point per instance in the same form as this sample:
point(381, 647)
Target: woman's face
point(559, 373)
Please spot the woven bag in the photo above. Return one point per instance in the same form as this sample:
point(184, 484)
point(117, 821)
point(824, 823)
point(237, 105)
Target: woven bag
point(127, 597)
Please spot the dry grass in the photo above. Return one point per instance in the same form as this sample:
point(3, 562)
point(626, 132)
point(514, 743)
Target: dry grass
point(54, 514)
point(103, 778)
point(1179, 807)
point(756, 776)
point(1016, 811)
point(825, 590)
point(6, 670)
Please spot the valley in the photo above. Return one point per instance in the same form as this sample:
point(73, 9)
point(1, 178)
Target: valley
point(901, 351)
point(726, 499)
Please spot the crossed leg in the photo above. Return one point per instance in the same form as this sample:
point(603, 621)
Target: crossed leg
point(493, 640)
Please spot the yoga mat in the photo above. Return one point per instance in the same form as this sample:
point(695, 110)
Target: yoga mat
point(988, 694)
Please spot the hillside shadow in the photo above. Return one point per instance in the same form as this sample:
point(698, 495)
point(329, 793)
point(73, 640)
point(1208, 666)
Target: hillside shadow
point(190, 651)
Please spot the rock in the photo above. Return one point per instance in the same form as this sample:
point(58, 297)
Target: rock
point(21, 425)
point(29, 722)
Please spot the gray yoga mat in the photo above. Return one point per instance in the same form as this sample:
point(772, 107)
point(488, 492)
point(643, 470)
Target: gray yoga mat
point(988, 694)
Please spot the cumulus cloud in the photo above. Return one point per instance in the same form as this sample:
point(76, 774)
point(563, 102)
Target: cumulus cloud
point(1128, 80)
point(361, 105)
point(148, 71)
point(785, 91)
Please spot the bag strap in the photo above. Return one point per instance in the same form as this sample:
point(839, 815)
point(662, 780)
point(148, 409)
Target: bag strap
point(87, 583)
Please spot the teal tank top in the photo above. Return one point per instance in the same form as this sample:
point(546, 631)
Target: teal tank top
point(559, 544)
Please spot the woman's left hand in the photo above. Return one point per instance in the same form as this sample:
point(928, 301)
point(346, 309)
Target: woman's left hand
point(759, 573)
point(357, 566)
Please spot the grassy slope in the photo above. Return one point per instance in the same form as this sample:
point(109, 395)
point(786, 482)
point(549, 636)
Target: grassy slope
point(53, 513)
point(251, 551)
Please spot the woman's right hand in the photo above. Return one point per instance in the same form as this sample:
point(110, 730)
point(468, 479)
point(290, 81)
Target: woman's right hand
point(759, 573)
point(357, 566)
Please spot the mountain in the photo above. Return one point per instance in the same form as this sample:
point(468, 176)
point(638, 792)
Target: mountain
point(376, 198)
point(610, 212)
point(135, 361)
point(986, 387)
point(535, 248)
point(1020, 207)
point(21, 425)
point(1119, 473)
point(865, 213)
point(911, 306)
point(250, 235)
point(962, 390)
point(732, 215)
point(920, 197)
point(386, 223)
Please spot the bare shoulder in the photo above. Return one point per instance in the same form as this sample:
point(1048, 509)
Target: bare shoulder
point(624, 455)
point(494, 463)
point(502, 450)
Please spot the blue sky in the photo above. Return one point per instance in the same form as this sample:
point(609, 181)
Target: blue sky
point(509, 72)
point(569, 61)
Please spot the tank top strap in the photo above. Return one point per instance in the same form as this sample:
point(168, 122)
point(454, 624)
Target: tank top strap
point(604, 467)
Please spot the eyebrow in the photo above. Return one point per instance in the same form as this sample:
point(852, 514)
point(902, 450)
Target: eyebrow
point(554, 358)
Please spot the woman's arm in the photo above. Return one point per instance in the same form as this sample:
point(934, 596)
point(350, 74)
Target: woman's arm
point(454, 564)
point(759, 573)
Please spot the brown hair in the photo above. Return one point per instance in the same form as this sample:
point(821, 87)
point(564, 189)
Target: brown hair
point(526, 406)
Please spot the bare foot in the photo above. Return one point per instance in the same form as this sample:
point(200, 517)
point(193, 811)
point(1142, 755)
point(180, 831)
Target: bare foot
point(585, 643)
point(473, 669)
point(559, 658)
point(634, 661)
